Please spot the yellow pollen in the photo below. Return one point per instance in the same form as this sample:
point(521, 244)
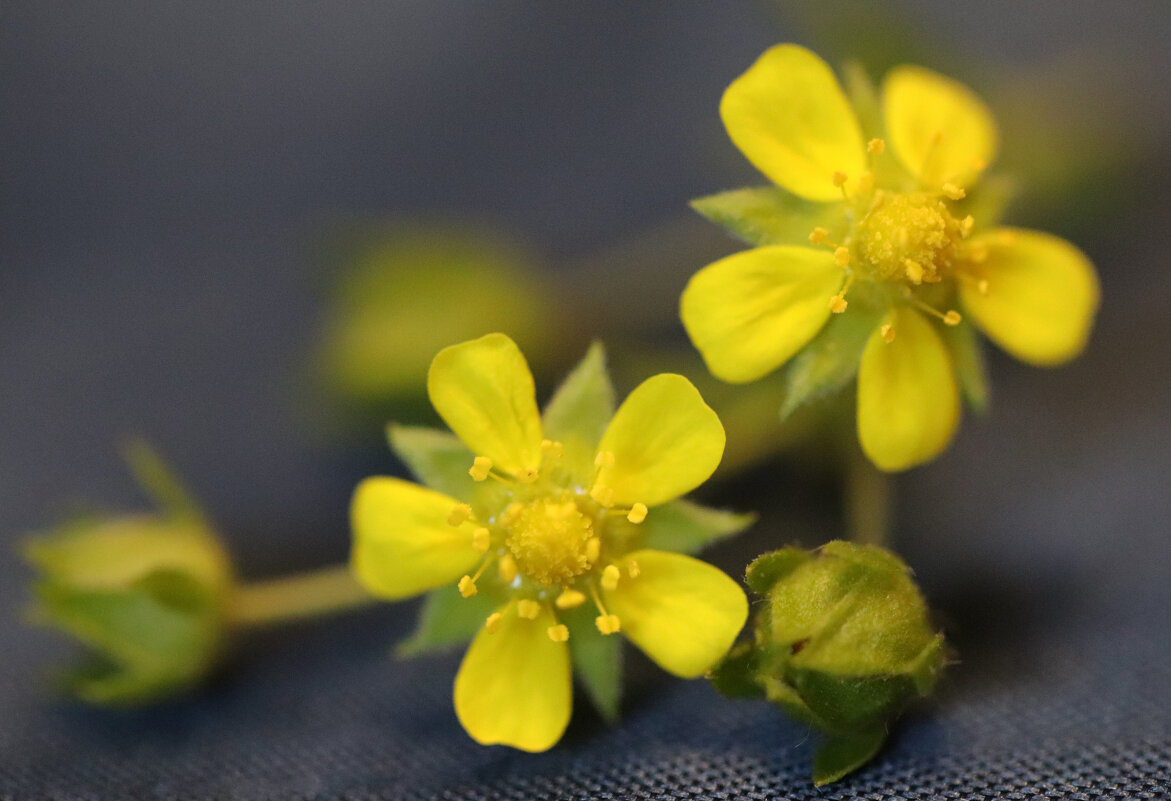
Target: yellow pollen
point(838, 304)
point(952, 318)
point(458, 514)
point(966, 226)
point(954, 192)
point(593, 549)
point(876, 146)
point(839, 179)
point(888, 333)
point(842, 257)
point(481, 465)
point(527, 475)
point(603, 495)
point(637, 513)
point(604, 459)
point(558, 633)
point(492, 624)
point(608, 624)
point(528, 609)
point(552, 450)
point(818, 235)
point(467, 587)
point(901, 229)
point(633, 569)
point(550, 540)
point(610, 577)
point(982, 287)
point(506, 568)
point(481, 539)
point(570, 599)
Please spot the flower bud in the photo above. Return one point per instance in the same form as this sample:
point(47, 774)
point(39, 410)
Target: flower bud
point(842, 643)
point(145, 594)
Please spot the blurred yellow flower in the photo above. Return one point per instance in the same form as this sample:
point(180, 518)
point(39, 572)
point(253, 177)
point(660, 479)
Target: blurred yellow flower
point(893, 245)
point(550, 520)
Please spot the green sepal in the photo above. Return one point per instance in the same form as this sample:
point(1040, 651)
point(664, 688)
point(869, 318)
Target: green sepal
point(737, 674)
point(839, 755)
point(771, 216)
point(767, 569)
point(447, 619)
point(847, 703)
point(989, 200)
point(584, 403)
point(831, 360)
point(160, 482)
point(597, 660)
point(686, 527)
point(968, 357)
point(437, 458)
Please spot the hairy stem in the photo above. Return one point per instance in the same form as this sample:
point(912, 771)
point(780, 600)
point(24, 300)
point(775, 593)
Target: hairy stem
point(319, 592)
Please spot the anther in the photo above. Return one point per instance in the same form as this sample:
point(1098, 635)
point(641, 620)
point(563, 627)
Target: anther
point(492, 624)
point(458, 514)
point(467, 587)
point(876, 146)
point(966, 226)
point(818, 235)
point(608, 624)
point(954, 192)
point(982, 286)
point(914, 271)
point(480, 468)
point(506, 568)
point(527, 475)
point(593, 549)
point(839, 179)
point(610, 578)
point(952, 318)
point(570, 599)
point(632, 569)
point(604, 459)
point(528, 609)
point(838, 304)
point(481, 539)
point(558, 633)
point(553, 450)
point(603, 495)
point(637, 513)
point(888, 333)
point(842, 257)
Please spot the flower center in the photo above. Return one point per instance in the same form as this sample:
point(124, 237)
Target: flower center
point(908, 238)
point(552, 540)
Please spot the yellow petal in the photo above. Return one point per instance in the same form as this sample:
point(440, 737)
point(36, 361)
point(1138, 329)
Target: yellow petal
point(683, 613)
point(749, 312)
point(1041, 296)
point(513, 687)
point(484, 391)
point(403, 544)
point(939, 128)
point(665, 442)
point(908, 404)
point(790, 118)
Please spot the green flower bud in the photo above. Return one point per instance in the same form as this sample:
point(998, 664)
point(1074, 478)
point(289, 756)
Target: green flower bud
point(842, 643)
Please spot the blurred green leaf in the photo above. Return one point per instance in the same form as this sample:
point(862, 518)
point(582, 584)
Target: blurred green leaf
point(771, 216)
point(968, 357)
point(831, 360)
point(839, 756)
point(686, 527)
point(597, 658)
point(584, 403)
point(437, 458)
point(446, 620)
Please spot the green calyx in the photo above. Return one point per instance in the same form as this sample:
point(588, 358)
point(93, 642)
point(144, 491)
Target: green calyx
point(842, 643)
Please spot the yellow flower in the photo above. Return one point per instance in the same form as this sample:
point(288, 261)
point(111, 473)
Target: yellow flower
point(893, 246)
point(550, 520)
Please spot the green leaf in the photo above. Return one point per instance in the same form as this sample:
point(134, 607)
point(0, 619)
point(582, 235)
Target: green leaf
point(989, 200)
point(597, 659)
point(447, 619)
point(841, 755)
point(735, 676)
point(159, 481)
point(686, 527)
point(584, 403)
point(831, 360)
point(968, 357)
point(766, 570)
point(771, 216)
point(437, 458)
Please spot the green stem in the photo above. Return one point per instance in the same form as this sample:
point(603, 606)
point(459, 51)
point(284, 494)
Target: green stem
point(868, 501)
point(319, 592)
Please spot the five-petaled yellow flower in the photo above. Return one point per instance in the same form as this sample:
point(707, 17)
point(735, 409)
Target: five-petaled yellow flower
point(550, 526)
point(898, 246)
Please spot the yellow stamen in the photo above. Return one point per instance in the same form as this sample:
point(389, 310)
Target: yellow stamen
point(818, 235)
point(552, 450)
point(528, 609)
point(982, 287)
point(603, 495)
point(593, 549)
point(570, 599)
point(637, 513)
point(480, 468)
point(506, 568)
point(954, 192)
point(839, 179)
point(952, 318)
point(966, 226)
point(527, 475)
point(866, 182)
point(914, 271)
point(608, 624)
point(492, 624)
point(458, 514)
point(888, 333)
point(509, 515)
point(876, 146)
point(558, 633)
point(633, 569)
point(837, 304)
point(467, 586)
point(604, 459)
point(842, 257)
point(481, 539)
point(610, 578)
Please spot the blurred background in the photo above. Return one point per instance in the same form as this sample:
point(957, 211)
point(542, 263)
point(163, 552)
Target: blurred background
point(191, 196)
